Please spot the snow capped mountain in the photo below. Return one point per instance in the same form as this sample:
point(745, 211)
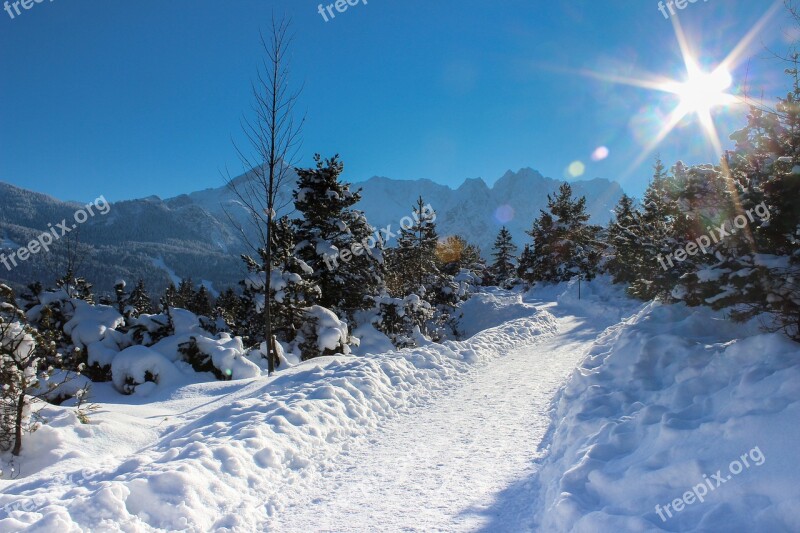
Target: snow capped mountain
point(192, 235)
point(473, 210)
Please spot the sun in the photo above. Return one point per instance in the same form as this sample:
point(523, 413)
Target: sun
point(700, 91)
point(703, 91)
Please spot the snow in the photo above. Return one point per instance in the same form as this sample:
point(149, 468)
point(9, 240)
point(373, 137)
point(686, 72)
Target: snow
point(222, 456)
point(663, 399)
point(91, 323)
point(227, 354)
point(61, 385)
point(331, 332)
point(559, 413)
point(137, 364)
point(159, 263)
point(492, 308)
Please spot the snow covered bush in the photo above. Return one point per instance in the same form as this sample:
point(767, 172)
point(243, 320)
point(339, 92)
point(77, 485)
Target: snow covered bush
point(224, 357)
point(323, 334)
point(18, 369)
point(137, 365)
point(402, 319)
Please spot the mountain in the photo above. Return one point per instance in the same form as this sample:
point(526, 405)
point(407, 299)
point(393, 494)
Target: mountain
point(198, 234)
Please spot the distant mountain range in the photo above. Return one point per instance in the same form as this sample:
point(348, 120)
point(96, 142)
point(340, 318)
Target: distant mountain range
point(192, 235)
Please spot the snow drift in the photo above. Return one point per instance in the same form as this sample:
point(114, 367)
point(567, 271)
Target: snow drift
point(666, 402)
point(227, 445)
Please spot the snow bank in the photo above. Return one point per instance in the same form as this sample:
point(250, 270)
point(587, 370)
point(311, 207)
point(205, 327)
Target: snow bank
point(664, 405)
point(228, 356)
point(217, 471)
point(491, 308)
point(90, 323)
point(599, 297)
point(137, 365)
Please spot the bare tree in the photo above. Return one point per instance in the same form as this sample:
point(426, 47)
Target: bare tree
point(273, 141)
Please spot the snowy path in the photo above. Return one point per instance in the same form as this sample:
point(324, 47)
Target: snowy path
point(442, 467)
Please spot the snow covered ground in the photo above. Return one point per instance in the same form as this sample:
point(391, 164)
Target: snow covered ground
point(563, 415)
point(678, 420)
point(220, 456)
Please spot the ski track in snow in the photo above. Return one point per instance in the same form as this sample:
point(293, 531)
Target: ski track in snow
point(440, 468)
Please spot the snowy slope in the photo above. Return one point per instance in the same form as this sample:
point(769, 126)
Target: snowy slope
point(217, 456)
point(440, 467)
point(597, 414)
point(676, 407)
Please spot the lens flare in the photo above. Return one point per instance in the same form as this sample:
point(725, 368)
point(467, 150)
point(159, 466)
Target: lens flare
point(600, 153)
point(504, 214)
point(576, 169)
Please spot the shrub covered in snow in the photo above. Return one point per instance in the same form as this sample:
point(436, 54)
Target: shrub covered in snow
point(224, 357)
point(18, 369)
point(323, 334)
point(139, 364)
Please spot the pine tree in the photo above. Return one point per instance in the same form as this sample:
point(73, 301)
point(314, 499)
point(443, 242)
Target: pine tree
point(653, 235)
point(503, 268)
point(18, 369)
point(201, 303)
point(335, 241)
point(624, 241)
point(415, 258)
point(565, 244)
point(170, 298)
point(76, 286)
point(185, 294)
point(525, 266)
point(139, 301)
point(121, 295)
point(229, 307)
point(293, 291)
point(416, 272)
point(756, 269)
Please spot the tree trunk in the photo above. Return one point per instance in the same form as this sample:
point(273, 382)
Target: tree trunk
point(267, 283)
point(18, 425)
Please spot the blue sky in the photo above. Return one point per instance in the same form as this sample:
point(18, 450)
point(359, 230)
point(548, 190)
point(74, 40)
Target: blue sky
point(133, 98)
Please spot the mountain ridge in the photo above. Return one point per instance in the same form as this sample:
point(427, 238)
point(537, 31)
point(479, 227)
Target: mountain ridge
point(192, 234)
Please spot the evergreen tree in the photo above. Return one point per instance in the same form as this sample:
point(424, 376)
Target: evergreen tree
point(18, 369)
point(294, 290)
point(201, 303)
point(230, 308)
point(416, 271)
point(76, 286)
point(623, 240)
point(758, 264)
point(565, 244)
point(170, 297)
point(503, 268)
point(653, 236)
point(185, 294)
point(415, 261)
point(121, 295)
point(335, 241)
point(139, 301)
point(526, 265)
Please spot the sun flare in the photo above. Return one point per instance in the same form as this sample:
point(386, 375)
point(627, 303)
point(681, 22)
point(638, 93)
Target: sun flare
point(699, 92)
point(703, 91)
